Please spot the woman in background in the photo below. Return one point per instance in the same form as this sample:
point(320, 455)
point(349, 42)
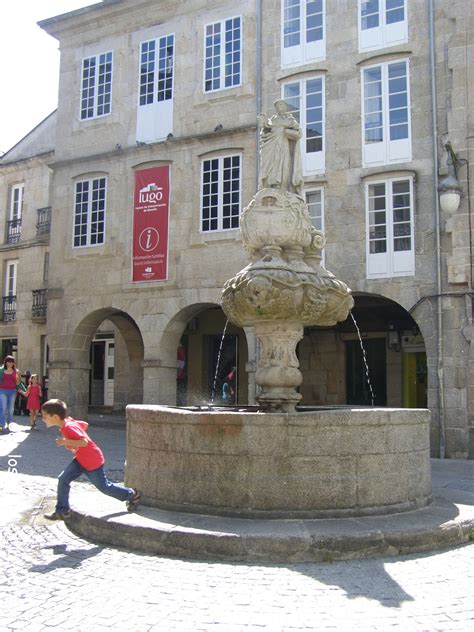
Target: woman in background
point(10, 377)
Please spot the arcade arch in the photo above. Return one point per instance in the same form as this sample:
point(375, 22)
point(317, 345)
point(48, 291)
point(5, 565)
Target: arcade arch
point(100, 363)
point(203, 356)
point(332, 359)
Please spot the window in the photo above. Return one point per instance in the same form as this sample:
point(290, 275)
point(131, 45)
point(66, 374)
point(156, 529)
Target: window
point(305, 99)
point(386, 114)
point(96, 91)
point(155, 102)
point(16, 212)
point(390, 248)
point(156, 70)
point(222, 59)
point(303, 31)
point(314, 201)
point(9, 296)
point(382, 23)
point(315, 204)
point(220, 207)
point(89, 212)
point(16, 206)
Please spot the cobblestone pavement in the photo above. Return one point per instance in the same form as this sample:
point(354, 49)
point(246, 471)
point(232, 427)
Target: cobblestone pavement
point(50, 579)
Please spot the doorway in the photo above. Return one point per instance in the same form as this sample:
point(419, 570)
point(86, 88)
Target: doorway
point(357, 388)
point(101, 391)
point(415, 373)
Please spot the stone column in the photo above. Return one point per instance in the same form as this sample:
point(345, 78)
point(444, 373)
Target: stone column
point(278, 371)
point(159, 382)
point(251, 365)
point(70, 384)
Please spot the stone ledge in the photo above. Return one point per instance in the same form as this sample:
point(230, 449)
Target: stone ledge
point(441, 525)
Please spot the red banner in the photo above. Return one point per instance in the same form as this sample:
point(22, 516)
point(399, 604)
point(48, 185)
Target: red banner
point(150, 224)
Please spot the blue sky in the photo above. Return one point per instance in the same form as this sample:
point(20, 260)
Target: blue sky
point(29, 65)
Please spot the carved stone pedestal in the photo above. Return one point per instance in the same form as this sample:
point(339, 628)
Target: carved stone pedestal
point(278, 374)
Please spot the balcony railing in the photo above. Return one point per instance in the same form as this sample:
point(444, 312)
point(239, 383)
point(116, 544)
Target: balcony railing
point(43, 224)
point(9, 308)
point(40, 304)
point(14, 231)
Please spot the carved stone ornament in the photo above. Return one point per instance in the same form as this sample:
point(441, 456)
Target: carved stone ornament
point(284, 288)
point(275, 218)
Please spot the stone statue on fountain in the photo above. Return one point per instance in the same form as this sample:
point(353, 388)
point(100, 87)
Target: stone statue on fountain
point(280, 156)
point(284, 288)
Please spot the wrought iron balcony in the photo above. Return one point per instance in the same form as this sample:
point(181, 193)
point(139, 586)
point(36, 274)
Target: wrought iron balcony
point(40, 304)
point(9, 308)
point(14, 231)
point(43, 224)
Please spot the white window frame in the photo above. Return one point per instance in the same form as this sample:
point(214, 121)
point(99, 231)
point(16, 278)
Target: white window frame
point(221, 195)
point(391, 262)
point(16, 201)
point(385, 151)
point(297, 24)
point(11, 277)
point(155, 115)
point(89, 209)
point(92, 92)
point(220, 57)
point(10, 288)
point(384, 32)
point(314, 162)
point(319, 225)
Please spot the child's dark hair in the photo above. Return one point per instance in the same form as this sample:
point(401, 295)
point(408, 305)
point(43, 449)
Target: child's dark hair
point(55, 407)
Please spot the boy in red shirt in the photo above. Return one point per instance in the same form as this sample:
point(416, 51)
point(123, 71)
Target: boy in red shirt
point(88, 460)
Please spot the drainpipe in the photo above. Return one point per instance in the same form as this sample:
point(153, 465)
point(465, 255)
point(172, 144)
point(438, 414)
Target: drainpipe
point(258, 106)
point(442, 429)
point(258, 81)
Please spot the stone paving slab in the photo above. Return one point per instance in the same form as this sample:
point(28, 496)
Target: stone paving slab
point(55, 581)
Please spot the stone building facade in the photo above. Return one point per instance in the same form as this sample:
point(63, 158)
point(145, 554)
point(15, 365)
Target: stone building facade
point(149, 88)
point(25, 214)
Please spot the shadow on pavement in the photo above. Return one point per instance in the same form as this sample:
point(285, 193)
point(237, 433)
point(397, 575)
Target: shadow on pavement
point(72, 558)
point(379, 587)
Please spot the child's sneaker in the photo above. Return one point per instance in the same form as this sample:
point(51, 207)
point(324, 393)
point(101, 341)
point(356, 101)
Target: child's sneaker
point(58, 516)
point(134, 501)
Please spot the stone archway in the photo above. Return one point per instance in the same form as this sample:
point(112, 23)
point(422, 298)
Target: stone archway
point(69, 364)
point(198, 327)
point(332, 360)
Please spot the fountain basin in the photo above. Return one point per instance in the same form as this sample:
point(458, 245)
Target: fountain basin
point(313, 463)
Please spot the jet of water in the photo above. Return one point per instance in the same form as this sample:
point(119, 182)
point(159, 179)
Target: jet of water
point(213, 392)
point(364, 357)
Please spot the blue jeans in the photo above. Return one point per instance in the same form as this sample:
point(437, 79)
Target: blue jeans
point(97, 477)
point(7, 404)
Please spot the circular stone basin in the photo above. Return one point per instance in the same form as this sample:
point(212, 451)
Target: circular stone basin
point(314, 463)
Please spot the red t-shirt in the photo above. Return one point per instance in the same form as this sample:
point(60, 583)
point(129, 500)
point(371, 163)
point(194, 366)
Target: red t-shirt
point(90, 456)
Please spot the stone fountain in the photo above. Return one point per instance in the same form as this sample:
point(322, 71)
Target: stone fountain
point(275, 461)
